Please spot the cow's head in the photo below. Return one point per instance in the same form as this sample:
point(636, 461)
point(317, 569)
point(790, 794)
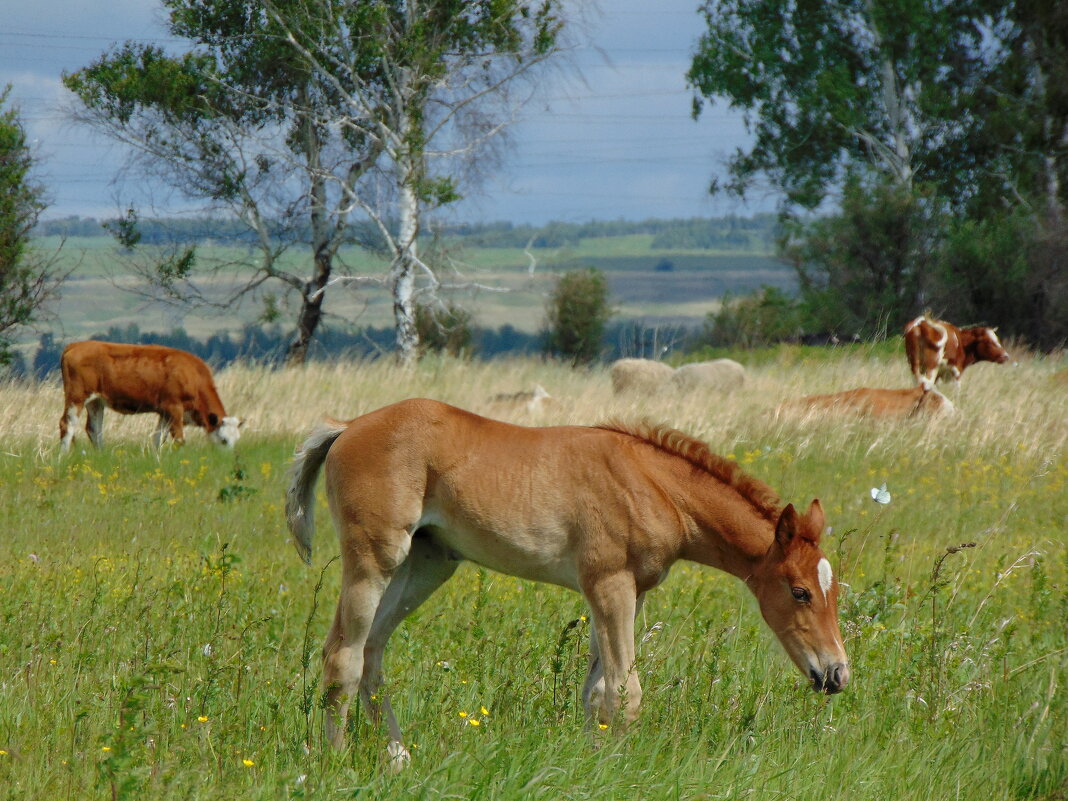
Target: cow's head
point(987, 346)
point(226, 431)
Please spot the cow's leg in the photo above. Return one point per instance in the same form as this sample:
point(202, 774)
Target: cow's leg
point(68, 422)
point(427, 567)
point(367, 560)
point(170, 421)
point(94, 421)
point(613, 603)
point(593, 689)
point(163, 425)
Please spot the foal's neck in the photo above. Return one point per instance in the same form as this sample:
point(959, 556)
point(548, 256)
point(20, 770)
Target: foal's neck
point(730, 535)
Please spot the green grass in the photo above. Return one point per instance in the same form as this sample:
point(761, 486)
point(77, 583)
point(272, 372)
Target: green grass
point(159, 637)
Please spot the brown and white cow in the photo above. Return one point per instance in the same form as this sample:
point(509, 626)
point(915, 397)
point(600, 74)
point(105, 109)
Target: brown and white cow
point(894, 404)
point(937, 349)
point(131, 379)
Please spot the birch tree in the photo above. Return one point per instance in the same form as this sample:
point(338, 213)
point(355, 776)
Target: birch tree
point(301, 118)
point(442, 89)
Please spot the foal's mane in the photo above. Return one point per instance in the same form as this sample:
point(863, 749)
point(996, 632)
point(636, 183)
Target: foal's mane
point(758, 494)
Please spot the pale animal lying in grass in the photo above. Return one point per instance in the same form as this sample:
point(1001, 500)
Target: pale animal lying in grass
point(531, 401)
point(417, 486)
point(648, 377)
point(639, 376)
point(719, 375)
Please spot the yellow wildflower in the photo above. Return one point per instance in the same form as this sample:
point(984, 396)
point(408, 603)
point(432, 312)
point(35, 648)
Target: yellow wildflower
point(203, 718)
point(248, 763)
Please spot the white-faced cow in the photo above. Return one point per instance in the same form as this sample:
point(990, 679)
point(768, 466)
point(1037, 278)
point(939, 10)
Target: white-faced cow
point(939, 350)
point(132, 379)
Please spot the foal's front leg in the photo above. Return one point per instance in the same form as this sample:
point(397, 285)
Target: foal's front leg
point(613, 604)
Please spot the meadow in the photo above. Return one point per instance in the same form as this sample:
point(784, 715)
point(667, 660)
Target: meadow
point(102, 289)
point(159, 637)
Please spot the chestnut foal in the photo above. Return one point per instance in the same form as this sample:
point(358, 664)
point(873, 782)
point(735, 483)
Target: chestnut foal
point(417, 486)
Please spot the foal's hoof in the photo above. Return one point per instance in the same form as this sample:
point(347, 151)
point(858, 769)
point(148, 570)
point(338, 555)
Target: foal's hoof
point(398, 756)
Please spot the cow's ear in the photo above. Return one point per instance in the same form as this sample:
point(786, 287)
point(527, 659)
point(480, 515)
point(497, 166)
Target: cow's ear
point(213, 420)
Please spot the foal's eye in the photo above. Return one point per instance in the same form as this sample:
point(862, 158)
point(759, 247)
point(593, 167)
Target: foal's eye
point(801, 594)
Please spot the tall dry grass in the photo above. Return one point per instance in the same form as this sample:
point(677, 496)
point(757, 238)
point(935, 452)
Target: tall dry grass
point(1020, 407)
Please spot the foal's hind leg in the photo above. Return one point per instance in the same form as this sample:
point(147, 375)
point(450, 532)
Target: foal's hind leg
point(427, 567)
point(366, 572)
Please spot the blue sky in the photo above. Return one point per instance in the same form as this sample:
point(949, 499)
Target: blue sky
point(612, 139)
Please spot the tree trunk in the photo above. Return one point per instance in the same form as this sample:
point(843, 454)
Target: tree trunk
point(898, 153)
point(403, 283)
point(313, 291)
point(311, 310)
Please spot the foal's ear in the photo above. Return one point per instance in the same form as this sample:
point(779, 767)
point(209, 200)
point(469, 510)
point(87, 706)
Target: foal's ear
point(786, 528)
point(816, 519)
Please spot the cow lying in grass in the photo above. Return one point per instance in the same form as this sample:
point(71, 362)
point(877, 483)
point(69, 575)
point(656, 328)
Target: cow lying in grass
point(894, 404)
point(132, 379)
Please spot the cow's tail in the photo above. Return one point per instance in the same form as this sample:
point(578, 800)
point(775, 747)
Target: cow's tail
point(300, 494)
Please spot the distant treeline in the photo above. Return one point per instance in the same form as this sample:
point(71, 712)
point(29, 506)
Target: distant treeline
point(742, 233)
point(259, 344)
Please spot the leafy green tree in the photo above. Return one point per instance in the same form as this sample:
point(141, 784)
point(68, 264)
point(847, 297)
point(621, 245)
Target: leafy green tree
point(576, 313)
point(296, 115)
point(28, 278)
point(1009, 269)
point(845, 85)
point(866, 268)
point(237, 123)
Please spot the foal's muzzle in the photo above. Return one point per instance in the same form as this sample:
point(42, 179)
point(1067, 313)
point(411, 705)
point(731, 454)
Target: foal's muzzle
point(831, 681)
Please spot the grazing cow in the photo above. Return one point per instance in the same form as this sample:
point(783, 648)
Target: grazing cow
point(418, 486)
point(896, 404)
point(937, 349)
point(131, 379)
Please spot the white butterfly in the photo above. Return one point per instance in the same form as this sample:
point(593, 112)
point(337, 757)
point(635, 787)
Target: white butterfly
point(880, 494)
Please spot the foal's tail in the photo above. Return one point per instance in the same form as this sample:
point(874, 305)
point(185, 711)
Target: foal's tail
point(300, 494)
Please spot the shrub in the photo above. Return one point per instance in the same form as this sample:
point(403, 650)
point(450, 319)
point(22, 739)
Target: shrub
point(443, 328)
point(576, 314)
point(760, 318)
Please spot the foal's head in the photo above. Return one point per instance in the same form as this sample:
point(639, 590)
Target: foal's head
point(798, 597)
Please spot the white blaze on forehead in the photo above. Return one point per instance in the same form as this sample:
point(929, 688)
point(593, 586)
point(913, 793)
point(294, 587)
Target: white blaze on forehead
point(994, 337)
point(823, 569)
